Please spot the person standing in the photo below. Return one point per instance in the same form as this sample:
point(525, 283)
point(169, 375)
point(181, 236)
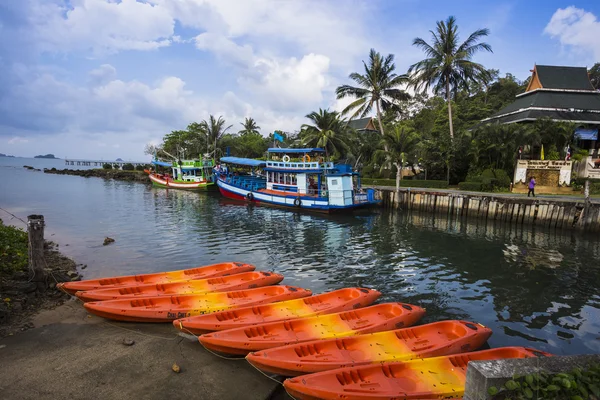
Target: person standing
point(531, 187)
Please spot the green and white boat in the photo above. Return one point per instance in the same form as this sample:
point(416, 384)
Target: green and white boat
point(186, 174)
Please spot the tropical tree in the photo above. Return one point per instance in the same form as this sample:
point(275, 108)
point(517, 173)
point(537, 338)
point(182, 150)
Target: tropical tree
point(401, 141)
point(250, 127)
point(214, 130)
point(449, 66)
point(379, 86)
point(594, 74)
point(327, 131)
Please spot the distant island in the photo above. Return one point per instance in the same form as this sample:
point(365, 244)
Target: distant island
point(119, 159)
point(5, 155)
point(47, 156)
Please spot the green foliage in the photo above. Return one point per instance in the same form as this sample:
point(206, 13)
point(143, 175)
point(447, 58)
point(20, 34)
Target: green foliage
point(577, 384)
point(327, 131)
point(579, 184)
point(490, 180)
point(107, 166)
point(128, 167)
point(433, 184)
point(140, 167)
point(552, 153)
point(13, 249)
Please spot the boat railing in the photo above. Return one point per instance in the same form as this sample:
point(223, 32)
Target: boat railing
point(299, 165)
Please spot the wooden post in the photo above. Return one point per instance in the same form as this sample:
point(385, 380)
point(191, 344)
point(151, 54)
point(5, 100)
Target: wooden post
point(37, 263)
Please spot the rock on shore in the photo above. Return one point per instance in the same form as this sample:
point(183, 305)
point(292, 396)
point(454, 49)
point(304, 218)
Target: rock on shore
point(135, 176)
point(20, 299)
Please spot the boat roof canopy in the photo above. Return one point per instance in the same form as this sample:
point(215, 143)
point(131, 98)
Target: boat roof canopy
point(311, 150)
point(243, 161)
point(162, 163)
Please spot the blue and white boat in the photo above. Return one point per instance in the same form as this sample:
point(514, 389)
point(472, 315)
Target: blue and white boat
point(293, 178)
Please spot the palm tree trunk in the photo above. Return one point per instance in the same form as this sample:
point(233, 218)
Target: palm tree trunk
point(398, 177)
point(449, 100)
point(380, 124)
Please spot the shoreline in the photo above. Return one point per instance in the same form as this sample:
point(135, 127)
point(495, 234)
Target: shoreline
point(116, 174)
point(20, 299)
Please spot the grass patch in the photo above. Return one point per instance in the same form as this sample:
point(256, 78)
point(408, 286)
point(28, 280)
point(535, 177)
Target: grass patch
point(13, 249)
point(432, 184)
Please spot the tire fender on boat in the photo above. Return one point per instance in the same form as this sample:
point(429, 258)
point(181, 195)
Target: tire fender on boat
point(297, 202)
point(286, 158)
point(250, 196)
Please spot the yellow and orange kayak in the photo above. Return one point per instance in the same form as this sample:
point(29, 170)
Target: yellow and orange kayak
point(431, 340)
point(203, 272)
point(430, 378)
point(377, 318)
point(245, 280)
point(168, 308)
point(324, 303)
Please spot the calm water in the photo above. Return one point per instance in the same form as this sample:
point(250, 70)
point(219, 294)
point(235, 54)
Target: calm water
point(533, 288)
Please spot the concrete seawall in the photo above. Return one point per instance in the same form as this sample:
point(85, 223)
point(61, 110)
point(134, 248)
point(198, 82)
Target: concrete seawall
point(518, 210)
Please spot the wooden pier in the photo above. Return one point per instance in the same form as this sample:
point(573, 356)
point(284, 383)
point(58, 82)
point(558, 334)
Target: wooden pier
point(100, 163)
point(549, 213)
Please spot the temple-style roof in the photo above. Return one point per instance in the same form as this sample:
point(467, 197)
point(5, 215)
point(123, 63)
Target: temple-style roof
point(362, 124)
point(558, 93)
point(553, 77)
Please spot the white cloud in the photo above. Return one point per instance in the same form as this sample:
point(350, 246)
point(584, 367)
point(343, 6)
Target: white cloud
point(577, 28)
point(17, 140)
point(102, 26)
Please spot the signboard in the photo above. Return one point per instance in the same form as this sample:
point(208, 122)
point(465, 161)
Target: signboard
point(544, 164)
point(586, 134)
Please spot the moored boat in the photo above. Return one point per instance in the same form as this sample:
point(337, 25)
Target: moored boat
point(295, 179)
point(186, 174)
point(431, 340)
point(429, 378)
point(377, 318)
point(201, 272)
point(324, 303)
point(246, 280)
point(168, 308)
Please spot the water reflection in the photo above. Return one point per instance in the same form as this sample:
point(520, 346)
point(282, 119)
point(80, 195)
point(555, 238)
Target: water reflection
point(532, 287)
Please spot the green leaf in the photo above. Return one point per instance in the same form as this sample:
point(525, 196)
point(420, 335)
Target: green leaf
point(594, 389)
point(528, 393)
point(566, 383)
point(553, 388)
point(493, 390)
point(576, 397)
point(529, 379)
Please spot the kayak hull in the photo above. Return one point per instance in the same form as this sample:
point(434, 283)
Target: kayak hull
point(430, 378)
point(324, 303)
point(169, 308)
point(245, 280)
point(201, 272)
point(377, 318)
point(431, 340)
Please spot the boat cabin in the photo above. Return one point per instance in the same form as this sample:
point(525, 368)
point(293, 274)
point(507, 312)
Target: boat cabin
point(189, 170)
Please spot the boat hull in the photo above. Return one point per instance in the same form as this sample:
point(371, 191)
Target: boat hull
point(431, 340)
point(292, 201)
point(169, 308)
point(324, 303)
point(196, 186)
point(377, 318)
point(429, 378)
point(201, 272)
point(246, 280)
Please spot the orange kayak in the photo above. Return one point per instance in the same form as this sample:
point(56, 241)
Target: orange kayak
point(202, 272)
point(430, 378)
point(245, 280)
point(431, 340)
point(324, 303)
point(377, 318)
point(168, 308)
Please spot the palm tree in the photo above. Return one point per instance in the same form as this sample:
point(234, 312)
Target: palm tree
point(448, 66)
point(327, 131)
point(214, 129)
point(250, 127)
point(400, 141)
point(377, 87)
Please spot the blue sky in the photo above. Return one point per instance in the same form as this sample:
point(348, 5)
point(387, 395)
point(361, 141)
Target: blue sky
point(102, 78)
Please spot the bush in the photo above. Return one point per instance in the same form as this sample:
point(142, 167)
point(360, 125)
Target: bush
point(13, 249)
point(107, 166)
point(471, 186)
point(579, 383)
point(432, 184)
point(140, 167)
point(368, 171)
point(128, 167)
